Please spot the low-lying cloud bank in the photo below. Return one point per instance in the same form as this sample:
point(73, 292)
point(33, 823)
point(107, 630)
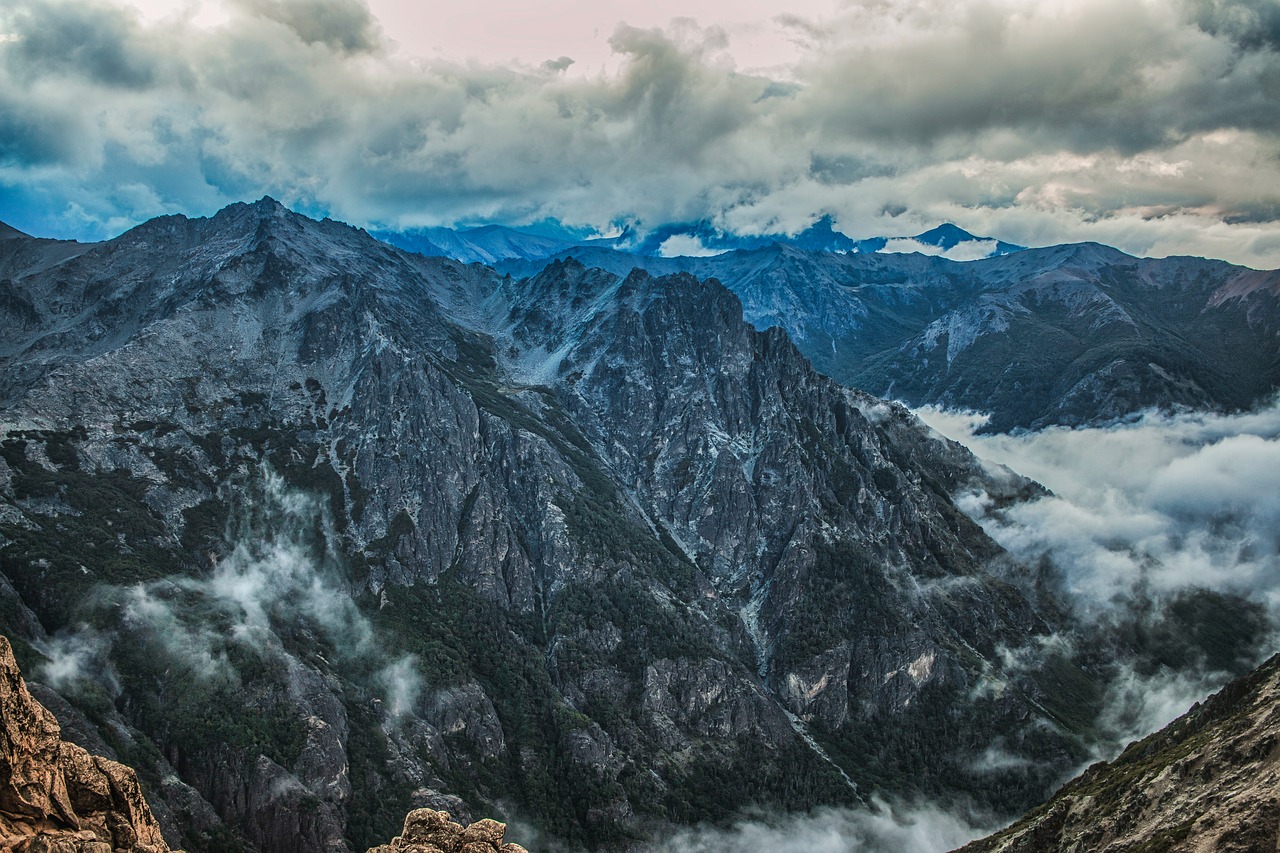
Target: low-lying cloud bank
point(1167, 528)
point(878, 828)
point(1144, 124)
point(1167, 502)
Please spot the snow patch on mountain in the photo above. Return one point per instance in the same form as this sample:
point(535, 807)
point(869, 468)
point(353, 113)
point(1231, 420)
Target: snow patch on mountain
point(960, 329)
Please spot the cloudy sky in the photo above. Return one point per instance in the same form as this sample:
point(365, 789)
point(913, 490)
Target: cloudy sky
point(1151, 125)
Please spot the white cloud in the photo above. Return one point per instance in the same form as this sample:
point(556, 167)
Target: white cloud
point(274, 576)
point(403, 685)
point(73, 660)
point(1142, 515)
point(1146, 125)
point(906, 245)
point(1141, 704)
point(686, 245)
point(969, 250)
point(1167, 502)
point(878, 828)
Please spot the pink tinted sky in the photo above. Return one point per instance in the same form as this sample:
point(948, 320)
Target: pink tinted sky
point(533, 32)
point(504, 30)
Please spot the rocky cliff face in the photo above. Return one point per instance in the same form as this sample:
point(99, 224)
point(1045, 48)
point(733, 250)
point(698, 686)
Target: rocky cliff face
point(54, 795)
point(1209, 781)
point(313, 531)
point(1063, 335)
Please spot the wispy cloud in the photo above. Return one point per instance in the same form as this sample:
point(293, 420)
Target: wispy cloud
point(79, 658)
point(878, 828)
point(279, 577)
point(403, 684)
point(969, 250)
point(686, 245)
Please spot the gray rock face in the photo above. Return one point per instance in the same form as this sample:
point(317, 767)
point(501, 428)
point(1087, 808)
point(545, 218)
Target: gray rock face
point(1070, 335)
point(395, 529)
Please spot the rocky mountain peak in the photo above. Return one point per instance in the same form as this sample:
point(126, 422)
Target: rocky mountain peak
point(8, 232)
point(946, 236)
point(263, 226)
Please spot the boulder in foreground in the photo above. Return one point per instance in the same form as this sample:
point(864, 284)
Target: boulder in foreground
point(430, 831)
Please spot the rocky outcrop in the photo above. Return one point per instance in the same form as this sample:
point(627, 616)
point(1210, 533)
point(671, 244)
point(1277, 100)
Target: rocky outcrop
point(54, 796)
point(1210, 780)
point(430, 831)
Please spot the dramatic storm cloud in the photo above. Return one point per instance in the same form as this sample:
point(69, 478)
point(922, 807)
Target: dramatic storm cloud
point(1152, 125)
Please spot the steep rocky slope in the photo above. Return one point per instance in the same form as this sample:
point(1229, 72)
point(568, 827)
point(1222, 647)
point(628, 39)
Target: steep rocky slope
point(312, 531)
point(54, 795)
point(1210, 780)
point(1064, 335)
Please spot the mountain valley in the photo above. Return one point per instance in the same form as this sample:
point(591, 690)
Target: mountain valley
point(313, 531)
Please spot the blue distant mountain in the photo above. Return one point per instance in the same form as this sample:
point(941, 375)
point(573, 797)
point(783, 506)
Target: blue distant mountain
point(949, 240)
point(490, 244)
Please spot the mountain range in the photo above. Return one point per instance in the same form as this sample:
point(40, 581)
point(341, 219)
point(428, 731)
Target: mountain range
point(312, 530)
point(491, 244)
point(1067, 335)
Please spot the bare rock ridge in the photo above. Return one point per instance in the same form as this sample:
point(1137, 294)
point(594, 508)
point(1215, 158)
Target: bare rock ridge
point(1210, 780)
point(54, 796)
point(430, 831)
point(1064, 335)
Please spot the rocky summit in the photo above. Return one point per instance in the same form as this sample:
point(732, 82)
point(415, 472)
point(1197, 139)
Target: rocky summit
point(313, 531)
point(1210, 780)
point(430, 831)
point(54, 796)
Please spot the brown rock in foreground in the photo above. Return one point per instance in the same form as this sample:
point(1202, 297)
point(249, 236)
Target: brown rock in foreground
point(54, 796)
point(1209, 781)
point(430, 831)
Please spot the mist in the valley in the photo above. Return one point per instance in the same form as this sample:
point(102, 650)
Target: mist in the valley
point(877, 828)
point(1160, 531)
point(278, 594)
